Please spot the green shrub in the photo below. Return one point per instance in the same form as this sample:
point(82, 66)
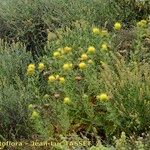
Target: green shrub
point(110, 74)
point(90, 80)
point(28, 20)
point(13, 95)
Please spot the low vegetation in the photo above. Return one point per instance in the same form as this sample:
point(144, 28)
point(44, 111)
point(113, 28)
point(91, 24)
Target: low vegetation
point(75, 78)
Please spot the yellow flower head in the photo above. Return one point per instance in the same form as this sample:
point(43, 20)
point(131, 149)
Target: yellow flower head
point(102, 97)
point(30, 106)
point(82, 65)
point(41, 67)
point(61, 80)
point(67, 100)
point(142, 23)
point(96, 30)
point(117, 26)
point(84, 57)
point(56, 54)
point(57, 77)
point(104, 47)
point(31, 66)
point(90, 61)
point(91, 49)
point(34, 115)
point(67, 49)
point(71, 65)
point(67, 66)
point(51, 78)
point(31, 69)
point(61, 50)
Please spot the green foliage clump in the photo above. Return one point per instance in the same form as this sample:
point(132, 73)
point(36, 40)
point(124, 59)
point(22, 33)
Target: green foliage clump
point(90, 81)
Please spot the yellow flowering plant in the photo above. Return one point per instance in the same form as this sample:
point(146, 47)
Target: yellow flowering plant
point(56, 54)
point(96, 31)
point(31, 69)
point(61, 80)
point(67, 49)
point(91, 49)
point(84, 57)
point(103, 97)
point(67, 100)
point(82, 65)
point(117, 26)
point(63, 96)
point(104, 47)
point(51, 78)
point(41, 67)
point(67, 66)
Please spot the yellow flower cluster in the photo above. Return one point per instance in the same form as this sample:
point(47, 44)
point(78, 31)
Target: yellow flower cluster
point(41, 67)
point(56, 54)
point(101, 32)
point(61, 80)
point(96, 30)
point(30, 107)
point(102, 97)
point(31, 69)
point(35, 115)
point(90, 61)
point(104, 47)
point(60, 51)
point(53, 78)
point(82, 65)
point(117, 26)
point(57, 77)
point(84, 57)
point(67, 49)
point(91, 49)
point(142, 23)
point(67, 100)
point(67, 66)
